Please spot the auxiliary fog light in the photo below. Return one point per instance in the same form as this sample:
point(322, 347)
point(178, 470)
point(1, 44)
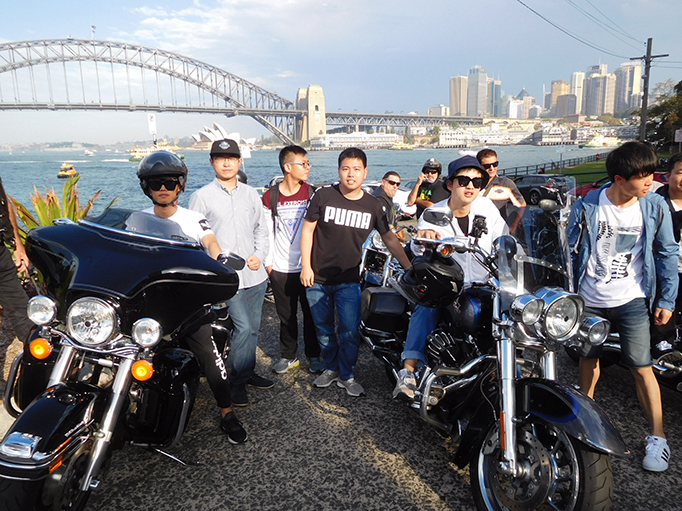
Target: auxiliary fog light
point(42, 310)
point(594, 330)
point(146, 332)
point(527, 309)
point(40, 348)
point(142, 370)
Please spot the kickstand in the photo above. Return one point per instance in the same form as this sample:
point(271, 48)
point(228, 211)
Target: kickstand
point(175, 458)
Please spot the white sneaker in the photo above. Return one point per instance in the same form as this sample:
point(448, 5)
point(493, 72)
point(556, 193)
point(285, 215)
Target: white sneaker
point(406, 385)
point(657, 454)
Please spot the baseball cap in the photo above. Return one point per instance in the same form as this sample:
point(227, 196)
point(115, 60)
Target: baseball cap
point(225, 147)
point(465, 162)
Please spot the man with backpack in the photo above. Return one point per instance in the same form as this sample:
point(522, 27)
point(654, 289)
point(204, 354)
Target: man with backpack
point(285, 204)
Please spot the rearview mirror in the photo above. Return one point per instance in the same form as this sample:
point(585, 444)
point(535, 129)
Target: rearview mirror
point(439, 218)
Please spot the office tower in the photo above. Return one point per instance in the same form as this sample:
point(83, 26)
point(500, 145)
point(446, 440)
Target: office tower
point(577, 89)
point(534, 112)
point(458, 95)
point(565, 105)
point(515, 109)
point(628, 82)
point(494, 97)
point(528, 102)
point(477, 92)
point(598, 69)
point(559, 88)
point(546, 100)
point(600, 91)
point(439, 110)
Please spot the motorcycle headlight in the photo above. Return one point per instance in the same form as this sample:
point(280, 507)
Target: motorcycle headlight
point(42, 310)
point(527, 309)
point(91, 321)
point(594, 330)
point(146, 332)
point(377, 242)
point(562, 313)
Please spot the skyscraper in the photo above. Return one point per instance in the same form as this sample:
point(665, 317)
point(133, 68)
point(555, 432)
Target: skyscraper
point(600, 91)
point(458, 95)
point(577, 89)
point(494, 97)
point(559, 88)
point(477, 92)
point(628, 82)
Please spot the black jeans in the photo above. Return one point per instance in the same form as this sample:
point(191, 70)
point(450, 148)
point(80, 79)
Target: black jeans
point(288, 291)
point(202, 345)
point(13, 298)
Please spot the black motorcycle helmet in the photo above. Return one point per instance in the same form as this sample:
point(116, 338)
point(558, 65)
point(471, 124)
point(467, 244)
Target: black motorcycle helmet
point(161, 164)
point(432, 283)
point(432, 163)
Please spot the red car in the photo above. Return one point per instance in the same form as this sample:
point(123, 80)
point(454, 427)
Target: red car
point(579, 191)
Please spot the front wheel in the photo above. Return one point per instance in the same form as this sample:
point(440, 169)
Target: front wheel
point(556, 473)
point(534, 198)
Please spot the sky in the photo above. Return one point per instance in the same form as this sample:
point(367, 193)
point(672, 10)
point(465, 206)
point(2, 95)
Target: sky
point(368, 55)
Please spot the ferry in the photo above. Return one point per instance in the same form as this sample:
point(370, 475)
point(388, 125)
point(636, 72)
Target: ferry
point(599, 141)
point(400, 146)
point(67, 170)
point(137, 153)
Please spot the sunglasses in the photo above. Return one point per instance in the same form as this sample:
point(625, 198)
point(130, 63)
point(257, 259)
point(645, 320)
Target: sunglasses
point(393, 183)
point(169, 184)
point(486, 166)
point(427, 171)
point(464, 181)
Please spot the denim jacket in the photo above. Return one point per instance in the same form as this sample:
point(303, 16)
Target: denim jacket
point(660, 249)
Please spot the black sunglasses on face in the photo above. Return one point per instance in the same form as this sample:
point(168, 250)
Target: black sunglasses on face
point(393, 183)
point(427, 171)
point(169, 184)
point(464, 181)
point(486, 166)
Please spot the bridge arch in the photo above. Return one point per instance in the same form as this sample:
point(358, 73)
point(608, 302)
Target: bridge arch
point(271, 110)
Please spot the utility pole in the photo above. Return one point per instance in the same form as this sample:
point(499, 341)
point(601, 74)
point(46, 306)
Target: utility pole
point(645, 95)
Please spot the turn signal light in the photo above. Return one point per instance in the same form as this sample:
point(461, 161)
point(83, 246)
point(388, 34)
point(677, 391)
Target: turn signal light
point(40, 348)
point(142, 370)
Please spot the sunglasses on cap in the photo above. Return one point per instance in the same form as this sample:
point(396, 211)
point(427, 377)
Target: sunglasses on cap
point(464, 181)
point(486, 166)
point(168, 183)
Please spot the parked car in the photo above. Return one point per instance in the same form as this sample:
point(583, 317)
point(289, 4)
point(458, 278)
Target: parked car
point(535, 187)
point(660, 179)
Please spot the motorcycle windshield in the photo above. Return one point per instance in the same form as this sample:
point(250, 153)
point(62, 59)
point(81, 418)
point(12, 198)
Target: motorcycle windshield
point(147, 264)
point(536, 254)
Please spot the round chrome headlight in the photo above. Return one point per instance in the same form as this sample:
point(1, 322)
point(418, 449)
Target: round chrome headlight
point(377, 242)
point(147, 332)
point(91, 321)
point(562, 313)
point(594, 330)
point(527, 309)
point(42, 310)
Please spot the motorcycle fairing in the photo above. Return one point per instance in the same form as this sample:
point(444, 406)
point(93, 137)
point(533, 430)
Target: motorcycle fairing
point(58, 417)
point(566, 409)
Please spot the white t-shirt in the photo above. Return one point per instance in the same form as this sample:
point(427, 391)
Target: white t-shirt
point(193, 224)
point(614, 271)
point(679, 261)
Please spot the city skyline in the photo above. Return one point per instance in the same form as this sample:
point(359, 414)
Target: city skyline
point(369, 57)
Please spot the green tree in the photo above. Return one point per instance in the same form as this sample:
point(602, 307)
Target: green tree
point(665, 117)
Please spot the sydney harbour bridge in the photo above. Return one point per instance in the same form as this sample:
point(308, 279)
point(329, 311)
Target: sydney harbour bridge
point(82, 74)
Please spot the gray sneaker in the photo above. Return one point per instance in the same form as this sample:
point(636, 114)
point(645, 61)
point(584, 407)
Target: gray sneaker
point(315, 364)
point(284, 365)
point(352, 387)
point(326, 378)
point(406, 385)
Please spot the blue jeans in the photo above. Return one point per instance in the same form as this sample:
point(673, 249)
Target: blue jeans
point(423, 321)
point(339, 346)
point(245, 309)
point(632, 323)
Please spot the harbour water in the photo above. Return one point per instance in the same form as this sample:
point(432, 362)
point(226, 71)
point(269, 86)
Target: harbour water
point(115, 177)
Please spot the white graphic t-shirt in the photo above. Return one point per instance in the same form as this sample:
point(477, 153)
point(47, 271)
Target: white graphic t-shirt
point(193, 224)
point(615, 269)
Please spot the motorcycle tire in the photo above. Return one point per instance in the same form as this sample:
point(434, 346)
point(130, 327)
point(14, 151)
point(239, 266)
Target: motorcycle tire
point(552, 463)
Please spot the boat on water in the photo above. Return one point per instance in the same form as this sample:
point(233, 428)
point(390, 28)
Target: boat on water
point(599, 141)
point(66, 171)
point(137, 153)
point(401, 146)
point(88, 152)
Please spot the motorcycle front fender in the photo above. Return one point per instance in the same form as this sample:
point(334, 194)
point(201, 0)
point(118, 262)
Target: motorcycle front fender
point(570, 411)
point(56, 423)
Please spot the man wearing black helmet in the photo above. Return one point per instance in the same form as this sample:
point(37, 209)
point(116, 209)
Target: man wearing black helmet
point(429, 188)
point(163, 176)
point(466, 179)
point(236, 214)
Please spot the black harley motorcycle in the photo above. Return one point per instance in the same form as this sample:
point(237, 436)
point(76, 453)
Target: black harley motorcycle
point(491, 378)
point(106, 365)
point(378, 264)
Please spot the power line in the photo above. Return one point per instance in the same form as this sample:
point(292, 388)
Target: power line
point(601, 24)
point(614, 24)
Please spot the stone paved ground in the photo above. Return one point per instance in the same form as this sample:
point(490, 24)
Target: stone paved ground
point(319, 449)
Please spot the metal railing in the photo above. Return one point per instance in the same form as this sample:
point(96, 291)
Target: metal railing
point(550, 167)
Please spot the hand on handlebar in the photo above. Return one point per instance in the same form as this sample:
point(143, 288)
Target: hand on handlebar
point(429, 233)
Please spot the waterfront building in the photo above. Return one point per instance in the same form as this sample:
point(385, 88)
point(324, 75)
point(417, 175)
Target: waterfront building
point(416, 131)
point(565, 105)
point(314, 119)
point(494, 97)
point(440, 110)
point(361, 139)
point(477, 92)
point(600, 92)
point(458, 95)
point(559, 88)
point(578, 89)
point(628, 82)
